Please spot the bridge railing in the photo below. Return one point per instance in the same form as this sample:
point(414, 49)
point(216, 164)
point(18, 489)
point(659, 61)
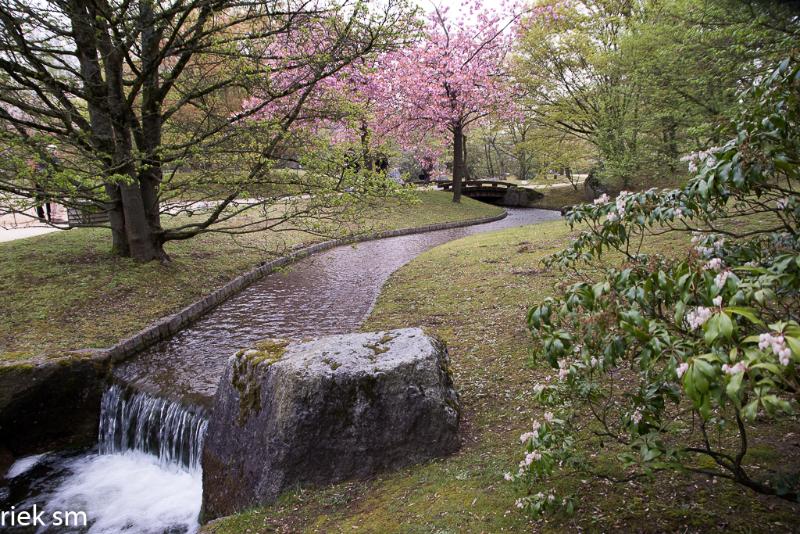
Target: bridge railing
point(476, 184)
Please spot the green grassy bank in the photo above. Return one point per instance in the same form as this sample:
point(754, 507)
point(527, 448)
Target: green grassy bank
point(67, 291)
point(481, 316)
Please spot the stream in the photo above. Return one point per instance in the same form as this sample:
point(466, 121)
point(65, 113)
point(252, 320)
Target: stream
point(144, 476)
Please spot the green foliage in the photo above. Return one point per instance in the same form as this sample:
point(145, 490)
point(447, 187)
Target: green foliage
point(715, 336)
point(643, 82)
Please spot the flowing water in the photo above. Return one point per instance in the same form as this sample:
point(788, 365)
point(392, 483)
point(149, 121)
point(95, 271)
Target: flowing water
point(327, 293)
point(144, 476)
point(135, 421)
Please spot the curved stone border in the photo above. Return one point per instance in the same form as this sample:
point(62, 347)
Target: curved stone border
point(172, 324)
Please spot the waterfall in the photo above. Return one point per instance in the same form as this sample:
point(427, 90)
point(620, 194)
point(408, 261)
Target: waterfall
point(131, 420)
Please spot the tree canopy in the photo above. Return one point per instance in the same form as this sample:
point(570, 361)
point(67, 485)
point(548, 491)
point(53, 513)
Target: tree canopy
point(133, 93)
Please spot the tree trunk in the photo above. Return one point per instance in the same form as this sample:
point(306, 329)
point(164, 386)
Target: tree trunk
point(458, 161)
point(568, 174)
point(466, 167)
point(143, 242)
point(488, 151)
point(365, 152)
point(119, 241)
point(671, 144)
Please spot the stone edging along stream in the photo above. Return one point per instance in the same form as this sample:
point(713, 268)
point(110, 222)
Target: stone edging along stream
point(172, 324)
point(53, 402)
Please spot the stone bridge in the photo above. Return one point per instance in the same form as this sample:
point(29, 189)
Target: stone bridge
point(495, 192)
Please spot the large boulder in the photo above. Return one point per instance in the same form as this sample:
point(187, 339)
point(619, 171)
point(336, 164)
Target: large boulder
point(322, 411)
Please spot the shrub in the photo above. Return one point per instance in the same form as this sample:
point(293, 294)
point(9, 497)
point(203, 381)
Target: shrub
point(672, 358)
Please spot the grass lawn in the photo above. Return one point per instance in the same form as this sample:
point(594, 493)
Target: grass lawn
point(482, 319)
point(67, 291)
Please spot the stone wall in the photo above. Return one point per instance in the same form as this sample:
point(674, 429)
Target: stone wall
point(51, 403)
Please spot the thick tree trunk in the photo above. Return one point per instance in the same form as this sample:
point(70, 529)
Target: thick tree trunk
point(116, 218)
point(458, 161)
point(142, 237)
point(149, 139)
point(142, 241)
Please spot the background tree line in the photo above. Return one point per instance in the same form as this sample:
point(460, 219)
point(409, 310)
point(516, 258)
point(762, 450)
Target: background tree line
point(152, 103)
point(624, 88)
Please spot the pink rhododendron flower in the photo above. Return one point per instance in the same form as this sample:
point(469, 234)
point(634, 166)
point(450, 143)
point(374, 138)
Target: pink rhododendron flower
point(714, 264)
point(698, 317)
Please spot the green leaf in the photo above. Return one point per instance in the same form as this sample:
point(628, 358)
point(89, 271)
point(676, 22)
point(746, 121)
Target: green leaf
point(725, 325)
point(794, 345)
point(747, 313)
point(680, 311)
point(705, 406)
point(734, 386)
point(711, 329)
point(750, 411)
point(771, 367)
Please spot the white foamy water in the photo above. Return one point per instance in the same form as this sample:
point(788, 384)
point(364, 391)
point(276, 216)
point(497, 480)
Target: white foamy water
point(23, 465)
point(130, 492)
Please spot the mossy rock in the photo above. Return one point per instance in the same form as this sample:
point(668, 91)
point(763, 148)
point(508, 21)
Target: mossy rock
point(326, 410)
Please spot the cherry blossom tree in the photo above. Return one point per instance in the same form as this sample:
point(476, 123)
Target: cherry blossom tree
point(338, 111)
point(453, 76)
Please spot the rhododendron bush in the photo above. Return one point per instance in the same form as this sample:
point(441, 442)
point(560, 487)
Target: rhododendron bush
point(673, 362)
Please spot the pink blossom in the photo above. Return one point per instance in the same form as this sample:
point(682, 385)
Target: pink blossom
point(636, 417)
point(621, 202)
point(739, 367)
point(714, 264)
point(531, 457)
point(698, 317)
point(563, 369)
point(681, 369)
point(454, 76)
point(721, 278)
point(777, 343)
